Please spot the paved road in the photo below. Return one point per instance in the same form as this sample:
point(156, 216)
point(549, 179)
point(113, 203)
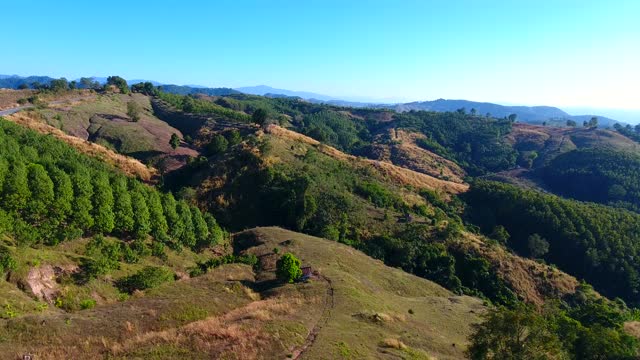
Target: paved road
point(57, 102)
point(14, 110)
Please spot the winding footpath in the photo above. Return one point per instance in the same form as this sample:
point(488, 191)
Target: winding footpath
point(329, 303)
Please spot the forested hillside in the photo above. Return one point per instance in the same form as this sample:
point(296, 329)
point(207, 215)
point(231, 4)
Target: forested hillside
point(51, 193)
point(393, 185)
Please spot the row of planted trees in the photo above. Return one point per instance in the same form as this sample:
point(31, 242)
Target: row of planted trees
point(50, 193)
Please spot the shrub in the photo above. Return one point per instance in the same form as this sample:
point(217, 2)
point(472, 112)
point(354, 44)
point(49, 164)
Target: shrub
point(7, 262)
point(147, 278)
point(133, 111)
point(87, 304)
point(288, 268)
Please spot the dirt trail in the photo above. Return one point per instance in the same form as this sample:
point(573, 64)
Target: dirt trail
point(329, 303)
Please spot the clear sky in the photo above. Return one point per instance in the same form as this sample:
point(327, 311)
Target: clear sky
point(565, 53)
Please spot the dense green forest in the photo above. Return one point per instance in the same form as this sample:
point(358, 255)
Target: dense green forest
point(595, 242)
point(51, 193)
point(603, 176)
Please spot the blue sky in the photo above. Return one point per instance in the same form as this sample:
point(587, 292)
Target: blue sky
point(563, 52)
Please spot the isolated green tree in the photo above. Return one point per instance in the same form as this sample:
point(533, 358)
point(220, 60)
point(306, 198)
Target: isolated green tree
point(513, 117)
point(217, 145)
point(82, 204)
point(118, 82)
point(200, 227)
point(103, 203)
point(176, 227)
point(537, 245)
point(259, 116)
point(233, 137)
point(16, 192)
point(571, 123)
point(188, 236)
point(288, 268)
point(174, 141)
point(58, 85)
point(500, 234)
point(42, 193)
point(216, 235)
point(122, 207)
point(63, 188)
point(141, 217)
point(133, 111)
point(159, 225)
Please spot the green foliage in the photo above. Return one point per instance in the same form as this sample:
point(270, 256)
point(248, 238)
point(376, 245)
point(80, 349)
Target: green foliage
point(141, 217)
point(537, 245)
point(87, 304)
point(583, 326)
point(500, 234)
point(217, 145)
point(50, 192)
point(133, 111)
point(259, 116)
point(476, 143)
point(378, 195)
point(203, 267)
point(7, 262)
point(598, 175)
point(336, 129)
point(288, 268)
point(145, 88)
point(123, 209)
point(119, 83)
point(233, 137)
point(174, 141)
point(188, 236)
point(197, 106)
point(147, 278)
point(104, 257)
point(590, 241)
point(514, 334)
point(103, 204)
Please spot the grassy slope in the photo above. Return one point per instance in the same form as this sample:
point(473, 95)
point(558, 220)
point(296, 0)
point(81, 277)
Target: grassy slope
point(234, 313)
point(104, 120)
point(375, 300)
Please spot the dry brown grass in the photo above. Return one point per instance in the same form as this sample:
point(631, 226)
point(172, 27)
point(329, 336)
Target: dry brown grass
point(632, 328)
point(392, 172)
point(409, 155)
point(393, 344)
point(239, 332)
point(9, 98)
point(127, 165)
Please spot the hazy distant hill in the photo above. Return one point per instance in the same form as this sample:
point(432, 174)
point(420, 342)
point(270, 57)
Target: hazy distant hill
point(13, 81)
point(530, 114)
point(263, 89)
point(187, 90)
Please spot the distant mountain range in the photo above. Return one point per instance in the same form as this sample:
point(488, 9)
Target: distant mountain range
point(529, 114)
point(264, 89)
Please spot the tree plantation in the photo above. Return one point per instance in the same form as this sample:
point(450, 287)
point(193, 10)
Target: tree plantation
point(51, 193)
